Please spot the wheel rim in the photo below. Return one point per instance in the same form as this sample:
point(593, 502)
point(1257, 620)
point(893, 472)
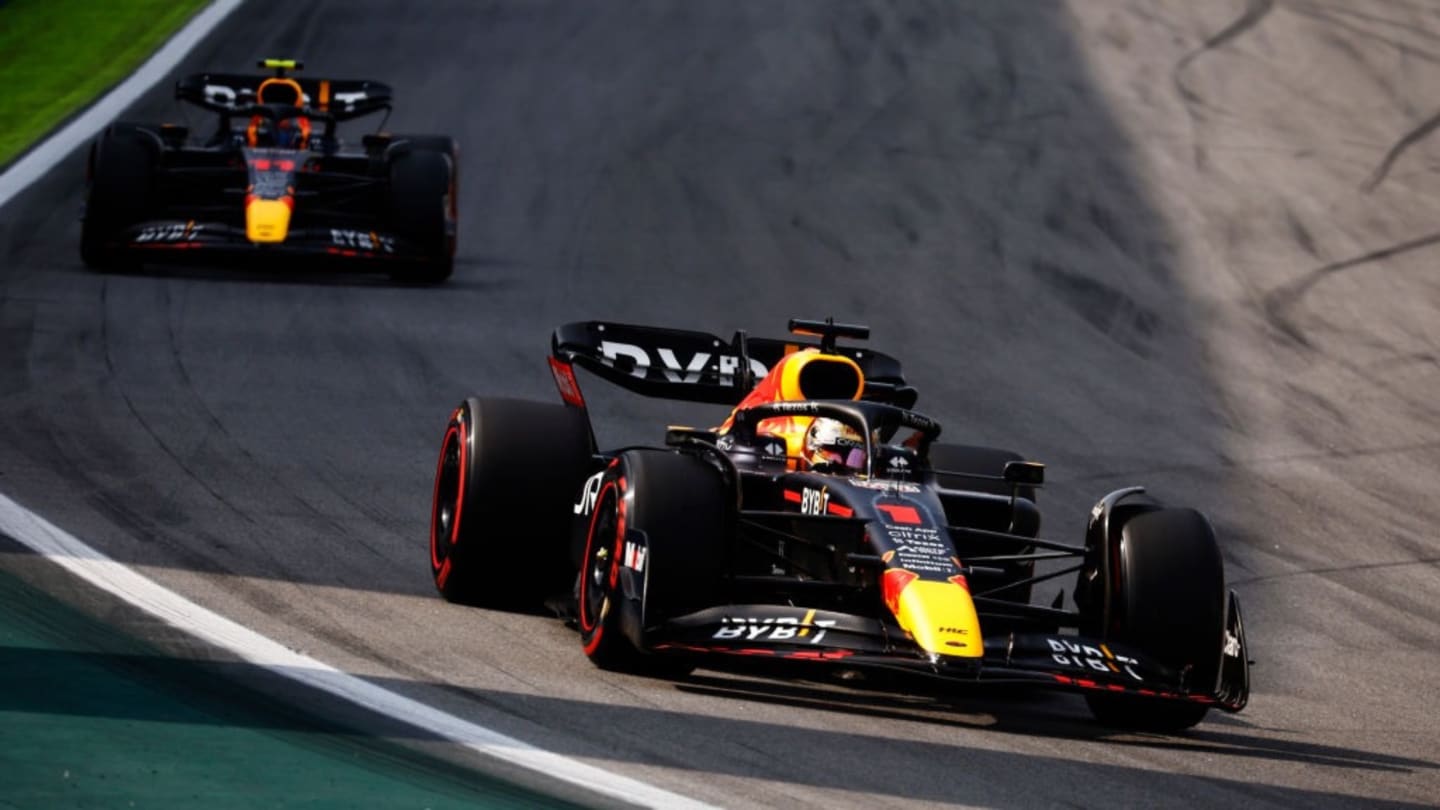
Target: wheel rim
point(599, 560)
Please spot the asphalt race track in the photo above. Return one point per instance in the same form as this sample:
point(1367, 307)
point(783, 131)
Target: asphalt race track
point(1185, 245)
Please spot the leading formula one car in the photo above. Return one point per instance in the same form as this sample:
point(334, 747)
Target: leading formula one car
point(273, 180)
point(822, 525)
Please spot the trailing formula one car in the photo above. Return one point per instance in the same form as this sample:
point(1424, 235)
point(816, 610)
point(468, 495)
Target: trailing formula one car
point(273, 180)
point(822, 525)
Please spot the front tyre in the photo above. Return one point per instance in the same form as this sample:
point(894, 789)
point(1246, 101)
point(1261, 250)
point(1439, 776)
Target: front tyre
point(121, 177)
point(422, 206)
point(599, 591)
point(1169, 602)
point(654, 550)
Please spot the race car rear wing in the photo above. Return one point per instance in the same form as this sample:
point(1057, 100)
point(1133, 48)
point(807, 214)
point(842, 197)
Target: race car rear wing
point(699, 367)
point(233, 94)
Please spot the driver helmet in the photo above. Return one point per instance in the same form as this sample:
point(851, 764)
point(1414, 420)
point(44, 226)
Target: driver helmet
point(834, 445)
point(286, 133)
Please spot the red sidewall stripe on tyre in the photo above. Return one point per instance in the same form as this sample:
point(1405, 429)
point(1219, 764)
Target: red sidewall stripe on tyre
point(458, 431)
point(588, 622)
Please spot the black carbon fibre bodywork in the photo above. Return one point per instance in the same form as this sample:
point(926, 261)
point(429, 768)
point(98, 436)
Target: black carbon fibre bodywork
point(808, 570)
point(191, 201)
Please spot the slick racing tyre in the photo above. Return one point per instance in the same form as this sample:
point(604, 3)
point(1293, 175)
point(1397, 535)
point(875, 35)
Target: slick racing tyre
point(948, 460)
point(655, 549)
point(1169, 602)
point(121, 177)
point(423, 204)
point(504, 489)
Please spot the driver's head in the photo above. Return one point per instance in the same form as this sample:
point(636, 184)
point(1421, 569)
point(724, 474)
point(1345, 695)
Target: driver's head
point(286, 128)
point(285, 133)
point(833, 445)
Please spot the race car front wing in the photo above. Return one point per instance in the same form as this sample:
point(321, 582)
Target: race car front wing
point(177, 240)
point(1069, 662)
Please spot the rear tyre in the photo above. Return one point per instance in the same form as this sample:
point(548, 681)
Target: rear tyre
point(655, 550)
point(422, 205)
point(964, 458)
point(1169, 602)
point(948, 459)
point(122, 166)
point(500, 517)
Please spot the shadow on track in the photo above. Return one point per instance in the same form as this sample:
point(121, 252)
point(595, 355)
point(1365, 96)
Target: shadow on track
point(478, 274)
point(256, 698)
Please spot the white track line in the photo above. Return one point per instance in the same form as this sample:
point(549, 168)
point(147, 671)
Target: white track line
point(65, 550)
point(94, 567)
point(43, 157)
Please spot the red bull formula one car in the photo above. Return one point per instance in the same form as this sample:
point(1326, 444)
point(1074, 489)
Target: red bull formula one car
point(822, 527)
point(273, 181)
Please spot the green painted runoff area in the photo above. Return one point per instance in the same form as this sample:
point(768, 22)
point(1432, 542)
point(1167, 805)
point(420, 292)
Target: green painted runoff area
point(57, 55)
point(90, 718)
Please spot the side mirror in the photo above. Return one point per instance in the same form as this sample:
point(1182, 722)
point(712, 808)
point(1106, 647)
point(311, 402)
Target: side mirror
point(1024, 473)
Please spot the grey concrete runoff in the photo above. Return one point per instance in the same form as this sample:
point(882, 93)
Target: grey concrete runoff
point(1178, 244)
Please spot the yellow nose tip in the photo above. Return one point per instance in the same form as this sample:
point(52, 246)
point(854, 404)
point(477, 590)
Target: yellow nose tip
point(941, 617)
point(267, 220)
